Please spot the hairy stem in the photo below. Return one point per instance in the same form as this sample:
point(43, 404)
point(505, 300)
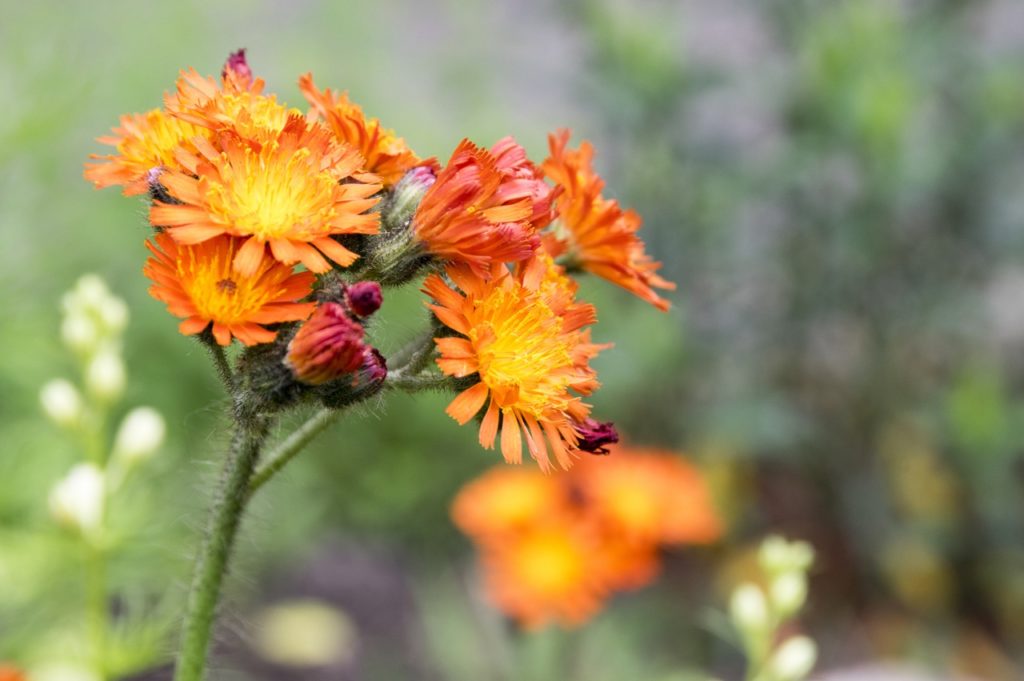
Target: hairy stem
point(292, 445)
point(220, 360)
point(418, 383)
point(250, 432)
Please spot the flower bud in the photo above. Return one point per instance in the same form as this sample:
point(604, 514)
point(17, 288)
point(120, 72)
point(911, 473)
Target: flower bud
point(789, 592)
point(406, 196)
point(113, 313)
point(76, 501)
point(594, 435)
point(105, 376)
point(326, 347)
point(778, 555)
point(80, 333)
point(236, 70)
point(793, 660)
point(61, 402)
point(140, 435)
point(90, 292)
point(364, 298)
point(748, 608)
point(375, 367)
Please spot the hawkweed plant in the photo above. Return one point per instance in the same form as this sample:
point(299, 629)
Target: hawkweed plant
point(279, 230)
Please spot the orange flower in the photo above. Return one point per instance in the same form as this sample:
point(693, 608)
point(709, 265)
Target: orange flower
point(474, 213)
point(523, 179)
point(386, 155)
point(237, 105)
point(507, 499)
point(286, 193)
point(549, 571)
point(10, 673)
point(199, 283)
point(143, 142)
point(650, 496)
point(522, 336)
point(596, 234)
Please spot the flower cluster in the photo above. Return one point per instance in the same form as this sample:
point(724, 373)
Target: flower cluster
point(265, 218)
point(554, 547)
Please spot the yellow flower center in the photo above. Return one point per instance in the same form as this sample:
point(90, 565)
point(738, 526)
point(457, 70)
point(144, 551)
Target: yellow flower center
point(524, 357)
point(218, 292)
point(274, 194)
point(550, 562)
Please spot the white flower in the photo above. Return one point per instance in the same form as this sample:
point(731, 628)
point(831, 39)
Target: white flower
point(794, 659)
point(141, 433)
point(76, 501)
point(748, 608)
point(789, 592)
point(61, 402)
point(79, 333)
point(114, 314)
point(105, 376)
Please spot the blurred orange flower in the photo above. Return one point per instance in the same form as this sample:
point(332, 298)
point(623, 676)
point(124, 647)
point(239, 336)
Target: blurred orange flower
point(553, 547)
point(10, 673)
point(594, 233)
point(650, 495)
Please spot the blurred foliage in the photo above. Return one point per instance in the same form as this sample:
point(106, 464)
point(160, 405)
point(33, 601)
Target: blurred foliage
point(835, 186)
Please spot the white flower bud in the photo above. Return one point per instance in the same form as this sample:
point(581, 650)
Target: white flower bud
point(114, 314)
point(76, 501)
point(777, 555)
point(91, 291)
point(141, 433)
point(61, 402)
point(748, 608)
point(793, 660)
point(105, 376)
point(789, 592)
point(80, 333)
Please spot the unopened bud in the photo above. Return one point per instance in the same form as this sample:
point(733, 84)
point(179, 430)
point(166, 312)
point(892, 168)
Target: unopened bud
point(76, 501)
point(114, 315)
point(789, 592)
point(91, 291)
point(105, 376)
point(327, 346)
point(375, 367)
point(793, 660)
point(364, 298)
point(61, 402)
point(777, 555)
point(236, 70)
point(748, 608)
point(595, 435)
point(406, 196)
point(80, 333)
point(140, 435)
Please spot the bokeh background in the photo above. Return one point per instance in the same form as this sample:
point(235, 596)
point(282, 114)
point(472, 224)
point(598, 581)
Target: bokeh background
point(836, 188)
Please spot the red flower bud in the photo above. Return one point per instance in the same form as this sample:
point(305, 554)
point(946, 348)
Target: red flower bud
point(326, 347)
point(594, 435)
point(236, 70)
point(364, 298)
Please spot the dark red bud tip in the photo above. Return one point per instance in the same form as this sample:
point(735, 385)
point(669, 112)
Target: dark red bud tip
point(594, 436)
point(364, 298)
point(238, 68)
point(375, 367)
point(421, 176)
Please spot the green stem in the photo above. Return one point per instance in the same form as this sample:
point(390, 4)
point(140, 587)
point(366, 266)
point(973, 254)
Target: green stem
point(419, 383)
point(250, 432)
point(220, 360)
point(99, 616)
point(292, 445)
